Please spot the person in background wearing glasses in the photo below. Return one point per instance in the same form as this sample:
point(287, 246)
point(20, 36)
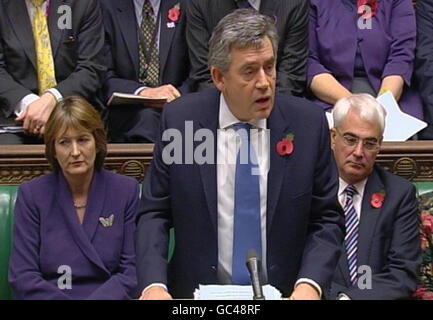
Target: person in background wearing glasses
point(381, 252)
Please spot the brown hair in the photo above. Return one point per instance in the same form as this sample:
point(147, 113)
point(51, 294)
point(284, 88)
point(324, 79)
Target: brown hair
point(76, 113)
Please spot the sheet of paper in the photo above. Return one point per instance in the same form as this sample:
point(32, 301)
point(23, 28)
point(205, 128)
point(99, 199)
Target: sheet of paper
point(233, 292)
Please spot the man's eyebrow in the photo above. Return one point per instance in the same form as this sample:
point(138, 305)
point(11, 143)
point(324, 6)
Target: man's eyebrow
point(354, 135)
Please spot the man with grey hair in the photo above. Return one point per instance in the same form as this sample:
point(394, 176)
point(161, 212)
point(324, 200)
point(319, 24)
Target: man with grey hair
point(281, 201)
point(382, 245)
point(291, 22)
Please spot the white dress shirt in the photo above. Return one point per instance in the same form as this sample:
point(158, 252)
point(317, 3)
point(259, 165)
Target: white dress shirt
point(255, 4)
point(228, 144)
point(28, 99)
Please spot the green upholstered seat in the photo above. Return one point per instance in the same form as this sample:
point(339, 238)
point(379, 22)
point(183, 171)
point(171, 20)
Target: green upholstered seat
point(8, 195)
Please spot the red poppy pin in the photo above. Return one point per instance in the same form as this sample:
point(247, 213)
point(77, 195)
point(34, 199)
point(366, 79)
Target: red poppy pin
point(174, 13)
point(286, 146)
point(374, 6)
point(377, 199)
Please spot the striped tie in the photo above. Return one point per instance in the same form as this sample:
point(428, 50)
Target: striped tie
point(351, 239)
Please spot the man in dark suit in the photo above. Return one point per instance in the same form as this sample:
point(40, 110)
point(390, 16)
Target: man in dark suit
point(76, 38)
point(424, 62)
point(382, 246)
point(292, 24)
point(284, 206)
point(123, 27)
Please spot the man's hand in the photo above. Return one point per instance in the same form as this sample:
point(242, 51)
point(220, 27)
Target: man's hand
point(155, 293)
point(304, 291)
point(37, 113)
point(166, 91)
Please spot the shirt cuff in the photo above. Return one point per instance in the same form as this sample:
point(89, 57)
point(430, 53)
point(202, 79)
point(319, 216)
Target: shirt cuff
point(311, 282)
point(24, 103)
point(137, 92)
point(156, 284)
point(56, 94)
point(343, 296)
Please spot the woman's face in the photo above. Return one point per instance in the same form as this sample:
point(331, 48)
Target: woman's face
point(75, 152)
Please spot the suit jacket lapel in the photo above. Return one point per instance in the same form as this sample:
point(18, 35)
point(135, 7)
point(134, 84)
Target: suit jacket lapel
point(208, 171)
point(53, 19)
point(279, 129)
point(369, 216)
point(79, 234)
point(20, 21)
point(166, 34)
point(128, 24)
point(95, 204)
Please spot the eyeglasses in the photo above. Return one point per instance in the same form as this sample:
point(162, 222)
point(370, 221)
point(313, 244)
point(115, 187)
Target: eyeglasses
point(351, 140)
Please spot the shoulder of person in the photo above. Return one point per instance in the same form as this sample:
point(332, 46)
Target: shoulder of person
point(392, 181)
point(297, 106)
point(119, 179)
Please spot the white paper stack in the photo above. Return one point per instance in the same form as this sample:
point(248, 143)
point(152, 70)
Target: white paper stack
point(233, 292)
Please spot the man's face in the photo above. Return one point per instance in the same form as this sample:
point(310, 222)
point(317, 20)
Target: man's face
point(249, 84)
point(356, 144)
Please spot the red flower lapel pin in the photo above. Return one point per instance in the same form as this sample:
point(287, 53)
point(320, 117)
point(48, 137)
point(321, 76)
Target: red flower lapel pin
point(374, 6)
point(174, 14)
point(377, 199)
point(286, 146)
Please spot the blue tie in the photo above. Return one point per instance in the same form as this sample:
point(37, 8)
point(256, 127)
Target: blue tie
point(247, 226)
point(243, 4)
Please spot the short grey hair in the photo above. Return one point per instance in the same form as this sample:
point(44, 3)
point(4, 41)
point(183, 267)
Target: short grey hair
point(365, 105)
point(243, 28)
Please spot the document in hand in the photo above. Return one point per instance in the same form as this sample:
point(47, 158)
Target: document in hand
point(118, 98)
point(399, 126)
point(233, 292)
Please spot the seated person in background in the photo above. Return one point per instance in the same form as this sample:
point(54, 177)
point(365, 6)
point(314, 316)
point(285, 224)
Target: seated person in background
point(292, 26)
point(73, 232)
point(381, 253)
point(147, 55)
point(351, 54)
point(284, 206)
point(49, 49)
point(424, 62)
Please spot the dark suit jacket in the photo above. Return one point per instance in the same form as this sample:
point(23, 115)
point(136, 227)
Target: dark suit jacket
point(77, 52)
point(122, 47)
point(47, 235)
point(424, 59)
point(389, 241)
point(292, 26)
point(388, 48)
point(304, 227)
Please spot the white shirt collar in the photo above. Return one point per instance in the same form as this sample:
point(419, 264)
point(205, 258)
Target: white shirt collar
point(360, 187)
point(227, 119)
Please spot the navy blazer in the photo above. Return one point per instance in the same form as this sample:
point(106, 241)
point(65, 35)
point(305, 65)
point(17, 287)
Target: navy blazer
point(388, 48)
point(122, 51)
point(48, 234)
point(389, 241)
point(304, 225)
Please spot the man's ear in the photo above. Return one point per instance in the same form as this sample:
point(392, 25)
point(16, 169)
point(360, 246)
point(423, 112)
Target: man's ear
point(218, 78)
point(333, 133)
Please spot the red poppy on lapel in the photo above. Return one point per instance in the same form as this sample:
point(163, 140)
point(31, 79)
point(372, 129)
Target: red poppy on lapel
point(286, 146)
point(377, 199)
point(174, 13)
point(373, 4)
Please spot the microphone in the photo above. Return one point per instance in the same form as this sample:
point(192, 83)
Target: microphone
point(254, 265)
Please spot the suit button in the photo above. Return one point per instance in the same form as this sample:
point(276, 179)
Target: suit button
point(213, 268)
